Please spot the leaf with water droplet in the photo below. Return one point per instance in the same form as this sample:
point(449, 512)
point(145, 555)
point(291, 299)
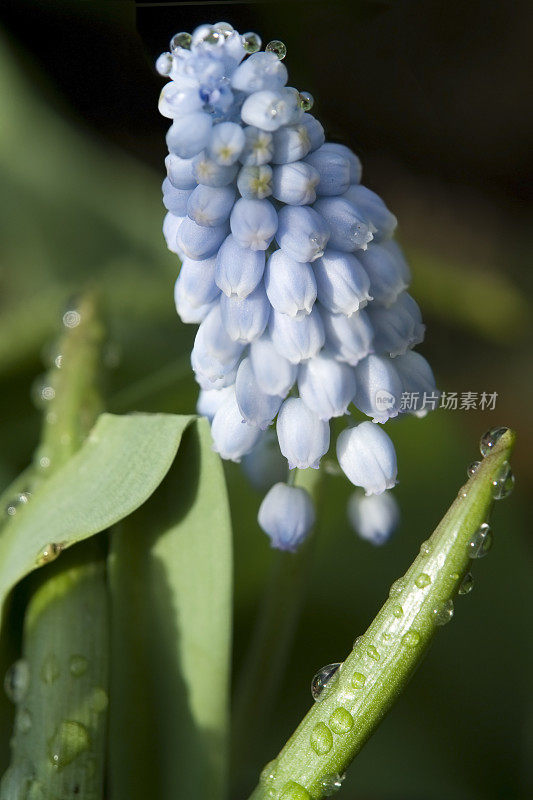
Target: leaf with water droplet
point(323, 681)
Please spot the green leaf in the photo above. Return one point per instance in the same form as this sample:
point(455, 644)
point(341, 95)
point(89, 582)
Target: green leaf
point(122, 462)
point(171, 577)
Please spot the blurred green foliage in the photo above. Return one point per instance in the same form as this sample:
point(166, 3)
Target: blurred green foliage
point(76, 210)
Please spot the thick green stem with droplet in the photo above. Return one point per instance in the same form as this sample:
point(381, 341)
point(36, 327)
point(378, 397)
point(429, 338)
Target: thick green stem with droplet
point(264, 663)
point(384, 658)
point(59, 739)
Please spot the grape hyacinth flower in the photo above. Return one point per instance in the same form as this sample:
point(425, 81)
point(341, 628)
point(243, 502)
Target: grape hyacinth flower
point(290, 270)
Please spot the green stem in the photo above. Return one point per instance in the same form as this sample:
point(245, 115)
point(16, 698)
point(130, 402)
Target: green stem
point(57, 749)
point(273, 634)
point(383, 660)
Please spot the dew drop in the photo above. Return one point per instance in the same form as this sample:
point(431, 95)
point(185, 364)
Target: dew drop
point(454, 576)
point(42, 391)
point(294, 791)
point(481, 542)
point(324, 679)
point(20, 500)
point(331, 784)
point(358, 680)
point(251, 42)
point(473, 468)
point(411, 638)
point(397, 587)
point(357, 643)
point(67, 742)
point(321, 739)
point(306, 101)
point(180, 40)
point(489, 439)
point(71, 318)
point(443, 612)
point(77, 665)
point(163, 65)
point(267, 773)
point(372, 652)
point(425, 548)
point(225, 28)
point(50, 669)
point(340, 721)
point(397, 611)
point(49, 553)
point(278, 48)
point(467, 584)
point(99, 700)
point(503, 483)
point(17, 680)
point(422, 580)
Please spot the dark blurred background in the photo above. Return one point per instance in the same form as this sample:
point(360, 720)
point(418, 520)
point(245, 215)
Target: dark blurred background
point(434, 97)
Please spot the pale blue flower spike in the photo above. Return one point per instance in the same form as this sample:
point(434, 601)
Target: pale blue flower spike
point(303, 437)
point(374, 518)
point(286, 515)
point(289, 268)
point(367, 457)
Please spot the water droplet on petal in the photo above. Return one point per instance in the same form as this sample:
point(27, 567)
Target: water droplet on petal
point(324, 679)
point(473, 468)
point(503, 483)
point(422, 580)
point(321, 739)
point(180, 40)
point(306, 101)
point(467, 584)
point(78, 665)
point(481, 542)
point(67, 742)
point(443, 612)
point(277, 47)
point(17, 680)
point(251, 42)
point(331, 784)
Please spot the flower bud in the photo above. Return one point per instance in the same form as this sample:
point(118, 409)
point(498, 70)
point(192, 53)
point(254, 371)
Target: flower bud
point(295, 183)
point(259, 72)
point(349, 231)
point(372, 208)
point(274, 374)
point(385, 269)
point(342, 283)
point(315, 131)
point(188, 135)
point(178, 100)
point(266, 110)
point(326, 386)
point(245, 319)
point(214, 353)
point(302, 233)
point(342, 150)
point(256, 407)
point(297, 339)
point(290, 285)
point(367, 457)
point(417, 379)
point(396, 329)
point(199, 242)
point(209, 173)
point(348, 338)
point(303, 437)
point(374, 518)
point(255, 182)
point(179, 171)
point(226, 143)
point(253, 223)
point(291, 143)
point(210, 400)
point(286, 515)
point(258, 147)
point(175, 200)
point(209, 206)
point(197, 281)
point(379, 388)
point(238, 269)
point(333, 169)
point(171, 224)
point(189, 312)
point(232, 438)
